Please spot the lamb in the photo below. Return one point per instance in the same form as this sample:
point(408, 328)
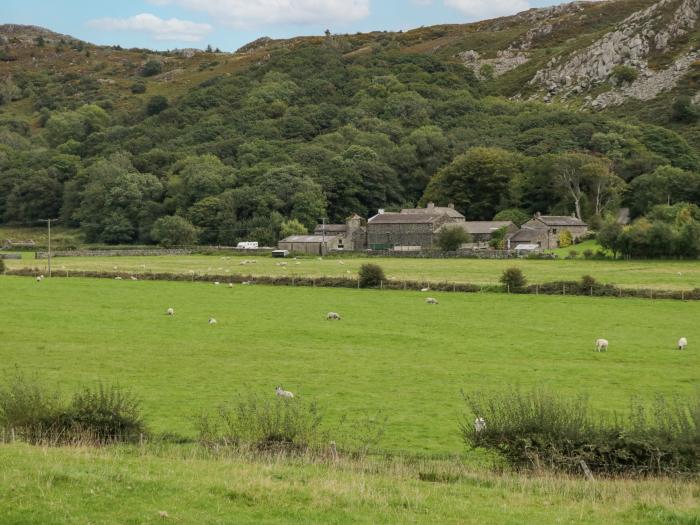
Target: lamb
point(332, 316)
point(682, 343)
point(283, 393)
point(431, 300)
point(212, 320)
point(170, 311)
point(601, 345)
point(479, 424)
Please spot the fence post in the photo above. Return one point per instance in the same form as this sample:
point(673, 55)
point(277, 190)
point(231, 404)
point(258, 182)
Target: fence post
point(508, 287)
point(12, 435)
point(591, 291)
point(358, 283)
point(381, 284)
point(313, 282)
point(537, 289)
point(563, 287)
point(651, 294)
point(141, 440)
point(619, 290)
point(682, 295)
point(586, 471)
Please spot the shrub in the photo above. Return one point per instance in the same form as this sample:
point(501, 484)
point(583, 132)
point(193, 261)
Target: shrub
point(513, 279)
point(588, 282)
point(683, 110)
point(538, 428)
point(138, 87)
point(371, 275)
point(38, 413)
point(2, 265)
point(106, 413)
point(565, 239)
point(264, 425)
point(156, 104)
point(572, 254)
point(451, 238)
point(624, 74)
point(587, 253)
point(151, 68)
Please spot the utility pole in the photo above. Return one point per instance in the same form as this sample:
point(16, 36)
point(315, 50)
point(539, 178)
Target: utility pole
point(48, 222)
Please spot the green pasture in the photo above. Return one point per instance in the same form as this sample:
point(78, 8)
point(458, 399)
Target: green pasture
point(667, 275)
point(391, 353)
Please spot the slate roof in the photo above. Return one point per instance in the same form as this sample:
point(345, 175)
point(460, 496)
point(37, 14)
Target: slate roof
point(403, 218)
point(479, 227)
point(308, 238)
point(435, 210)
point(560, 220)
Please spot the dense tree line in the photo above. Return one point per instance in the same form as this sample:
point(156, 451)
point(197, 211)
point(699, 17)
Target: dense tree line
point(311, 133)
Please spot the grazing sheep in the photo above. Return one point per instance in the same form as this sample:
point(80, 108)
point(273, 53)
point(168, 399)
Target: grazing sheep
point(39, 278)
point(431, 300)
point(425, 289)
point(230, 285)
point(479, 424)
point(682, 343)
point(216, 283)
point(170, 311)
point(117, 278)
point(341, 262)
point(601, 345)
point(332, 316)
point(133, 278)
point(212, 320)
point(246, 282)
point(283, 393)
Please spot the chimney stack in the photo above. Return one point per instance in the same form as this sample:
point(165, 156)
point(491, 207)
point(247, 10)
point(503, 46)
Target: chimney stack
point(430, 206)
point(451, 205)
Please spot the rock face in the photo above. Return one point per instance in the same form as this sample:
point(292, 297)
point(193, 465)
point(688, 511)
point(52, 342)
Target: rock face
point(504, 62)
point(631, 43)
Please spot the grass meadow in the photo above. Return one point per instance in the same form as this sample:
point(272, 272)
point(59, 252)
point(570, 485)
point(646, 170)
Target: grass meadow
point(391, 354)
point(657, 274)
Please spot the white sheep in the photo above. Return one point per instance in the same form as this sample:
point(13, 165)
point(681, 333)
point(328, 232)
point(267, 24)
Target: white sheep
point(230, 285)
point(216, 283)
point(39, 278)
point(117, 278)
point(212, 320)
point(283, 393)
point(479, 424)
point(170, 311)
point(431, 300)
point(332, 316)
point(682, 343)
point(133, 278)
point(425, 289)
point(601, 345)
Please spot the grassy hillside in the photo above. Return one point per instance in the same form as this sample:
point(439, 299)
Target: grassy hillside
point(129, 485)
point(391, 354)
point(664, 275)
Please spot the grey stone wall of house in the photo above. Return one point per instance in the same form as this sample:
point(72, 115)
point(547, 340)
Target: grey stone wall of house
point(356, 235)
point(387, 235)
point(548, 236)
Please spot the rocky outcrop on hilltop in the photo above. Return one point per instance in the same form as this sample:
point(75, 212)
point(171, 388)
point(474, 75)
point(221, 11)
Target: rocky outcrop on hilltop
point(632, 43)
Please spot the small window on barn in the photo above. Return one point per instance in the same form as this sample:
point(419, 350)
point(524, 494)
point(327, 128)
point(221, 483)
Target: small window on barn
point(554, 230)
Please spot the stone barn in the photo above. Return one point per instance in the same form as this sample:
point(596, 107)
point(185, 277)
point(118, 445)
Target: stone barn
point(311, 244)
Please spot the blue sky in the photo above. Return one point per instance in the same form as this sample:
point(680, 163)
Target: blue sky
point(228, 24)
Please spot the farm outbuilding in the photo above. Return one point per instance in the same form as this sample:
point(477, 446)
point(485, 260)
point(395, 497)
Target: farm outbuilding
point(544, 230)
point(312, 244)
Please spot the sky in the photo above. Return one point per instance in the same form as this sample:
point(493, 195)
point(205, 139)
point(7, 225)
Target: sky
point(229, 24)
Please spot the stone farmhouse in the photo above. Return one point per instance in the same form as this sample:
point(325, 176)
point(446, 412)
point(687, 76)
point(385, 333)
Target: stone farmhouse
point(410, 229)
point(482, 231)
point(544, 230)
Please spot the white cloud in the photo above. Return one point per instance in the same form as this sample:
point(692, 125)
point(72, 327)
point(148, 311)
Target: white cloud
point(482, 9)
point(158, 28)
point(247, 13)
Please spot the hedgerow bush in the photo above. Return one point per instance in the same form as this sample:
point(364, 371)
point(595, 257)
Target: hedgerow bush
point(38, 413)
point(371, 275)
point(513, 279)
point(540, 429)
point(264, 425)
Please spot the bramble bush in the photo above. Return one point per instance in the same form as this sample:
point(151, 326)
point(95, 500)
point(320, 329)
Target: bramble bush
point(541, 429)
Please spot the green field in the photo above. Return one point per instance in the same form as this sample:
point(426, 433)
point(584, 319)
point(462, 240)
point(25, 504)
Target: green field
point(391, 352)
point(667, 275)
point(125, 485)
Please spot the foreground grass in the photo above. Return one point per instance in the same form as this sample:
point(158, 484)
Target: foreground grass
point(667, 275)
point(130, 485)
point(391, 353)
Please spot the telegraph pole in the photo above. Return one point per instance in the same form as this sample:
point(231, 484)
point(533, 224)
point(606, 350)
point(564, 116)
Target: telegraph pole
point(48, 223)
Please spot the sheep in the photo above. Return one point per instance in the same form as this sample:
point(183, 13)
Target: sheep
point(479, 424)
point(133, 278)
point(216, 283)
point(601, 345)
point(170, 311)
point(246, 282)
point(332, 316)
point(212, 320)
point(425, 289)
point(283, 393)
point(682, 343)
point(341, 262)
point(117, 278)
point(39, 278)
point(230, 285)
point(431, 300)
